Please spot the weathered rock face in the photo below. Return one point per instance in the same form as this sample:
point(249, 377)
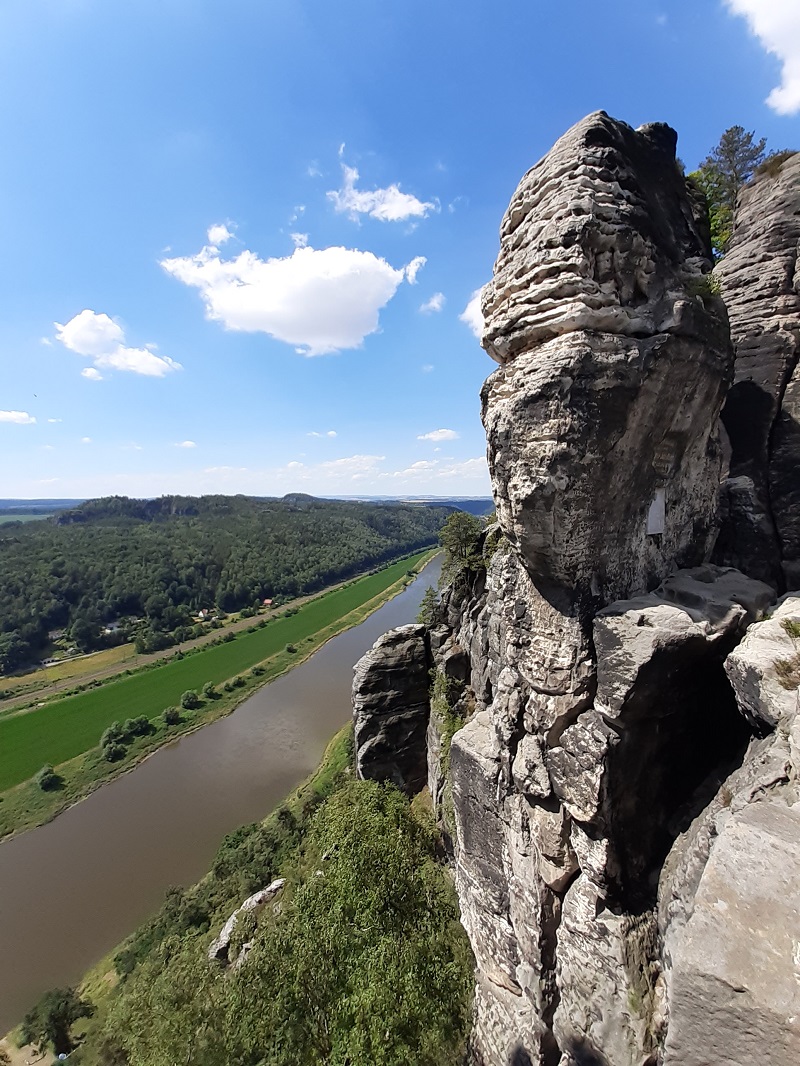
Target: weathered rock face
point(391, 709)
point(760, 283)
point(606, 729)
point(602, 444)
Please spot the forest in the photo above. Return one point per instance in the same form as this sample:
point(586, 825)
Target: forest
point(117, 569)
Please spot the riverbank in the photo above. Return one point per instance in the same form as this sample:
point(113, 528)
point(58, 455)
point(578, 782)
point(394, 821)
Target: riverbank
point(255, 661)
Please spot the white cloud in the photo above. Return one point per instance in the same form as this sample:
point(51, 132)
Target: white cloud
point(312, 170)
point(103, 340)
point(427, 368)
point(320, 301)
point(218, 234)
point(436, 303)
point(54, 420)
point(439, 434)
point(328, 433)
point(776, 23)
point(91, 374)
point(19, 418)
point(46, 341)
point(424, 466)
point(387, 205)
point(185, 444)
point(472, 315)
point(300, 239)
point(414, 267)
point(86, 440)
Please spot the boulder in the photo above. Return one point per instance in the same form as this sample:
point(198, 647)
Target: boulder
point(391, 707)
point(220, 947)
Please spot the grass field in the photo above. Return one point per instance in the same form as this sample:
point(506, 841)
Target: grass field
point(9, 516)
point(61, 730)
point(76, 667)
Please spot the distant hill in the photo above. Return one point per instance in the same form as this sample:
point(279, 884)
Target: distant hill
point(115, 568)
point(37, 506)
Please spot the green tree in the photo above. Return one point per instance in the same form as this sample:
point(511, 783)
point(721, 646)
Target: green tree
point(190, 700)
point(53, 1017)
point(459, 538)
point(427, 609)
point(729, 166)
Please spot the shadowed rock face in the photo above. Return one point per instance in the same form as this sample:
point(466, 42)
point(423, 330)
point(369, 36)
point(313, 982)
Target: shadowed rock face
point(760, 283)
point(391, 709)
point(615, 359)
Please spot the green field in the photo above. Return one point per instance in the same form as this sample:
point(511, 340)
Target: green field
point(65, 728)
point(24, 516)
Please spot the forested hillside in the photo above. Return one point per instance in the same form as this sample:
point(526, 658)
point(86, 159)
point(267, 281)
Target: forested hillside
point(115, 569)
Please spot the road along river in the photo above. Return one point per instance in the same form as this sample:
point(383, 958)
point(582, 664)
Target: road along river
point(73, 889)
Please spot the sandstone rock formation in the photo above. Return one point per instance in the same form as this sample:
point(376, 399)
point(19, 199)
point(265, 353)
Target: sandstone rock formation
point(219, 951)
point(760, 283)
point(615, 358)
point(391, 709)
point(612, 752)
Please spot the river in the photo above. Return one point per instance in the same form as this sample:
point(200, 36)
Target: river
point(73, 889)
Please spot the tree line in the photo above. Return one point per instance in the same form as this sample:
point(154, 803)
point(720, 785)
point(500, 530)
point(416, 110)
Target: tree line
point(117, 569)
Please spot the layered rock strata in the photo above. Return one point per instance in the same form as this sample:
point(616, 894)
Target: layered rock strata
point(760, 283)
point(391, 709)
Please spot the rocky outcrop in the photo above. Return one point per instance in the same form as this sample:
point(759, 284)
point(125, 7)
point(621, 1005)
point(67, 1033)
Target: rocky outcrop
point(760, 283)
point(614, 734)
point(605, 728)
point(615, 358)
point(391, 709)
point(730, 892)
point(220, 949)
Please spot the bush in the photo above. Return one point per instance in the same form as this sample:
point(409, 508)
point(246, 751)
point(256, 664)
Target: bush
point(113, 735)
point(171, 716)
point(209, 691)
point(257, 671)
point(190, 701)
point(47, 779)
point(114, 752)
point(229, 637)
point(291, 649)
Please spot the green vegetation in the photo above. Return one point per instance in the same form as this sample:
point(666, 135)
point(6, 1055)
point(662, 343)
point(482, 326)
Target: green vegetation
point(115, 570)
point(62, 730)
point(362, 960)
point(460, 537)
point(788, 670)
point(736, 158)
point(428, 607)
point(51, 1020)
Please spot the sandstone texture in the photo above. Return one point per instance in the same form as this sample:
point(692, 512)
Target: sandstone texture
point(391, 709)
point(219, 951)
point(602, 420)
point(760, 283)
point(613, 741)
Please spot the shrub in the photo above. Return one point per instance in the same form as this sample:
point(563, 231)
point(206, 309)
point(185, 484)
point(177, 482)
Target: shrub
point(114, 752)
point(257, 671)
point(47, 779)
point(209, 691)
point(190, 700)
point(291, 649)
point(171, 716)
point(113, 735)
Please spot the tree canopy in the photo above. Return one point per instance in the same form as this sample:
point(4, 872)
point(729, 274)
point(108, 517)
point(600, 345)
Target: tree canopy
point(728, 166)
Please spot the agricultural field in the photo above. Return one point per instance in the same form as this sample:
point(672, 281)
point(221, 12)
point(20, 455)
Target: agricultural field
point(23, 516)
point(65, 728)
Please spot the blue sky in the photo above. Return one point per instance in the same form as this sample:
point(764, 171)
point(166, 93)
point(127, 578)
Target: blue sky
point(241, 238)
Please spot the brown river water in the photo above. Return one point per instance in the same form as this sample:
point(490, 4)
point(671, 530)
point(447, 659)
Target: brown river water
point(73, 889)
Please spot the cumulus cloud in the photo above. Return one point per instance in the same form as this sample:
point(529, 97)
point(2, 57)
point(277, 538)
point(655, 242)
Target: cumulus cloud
point(777, 26)
point(300, 239)
point(318, 300)
point(387, 205)
point(218, 234)
point(86, 440)
point(436, 303)
point(439, 434)
point(19, 418)
point(328, 433)
point(185, 444)
point(472, 315)
point(55, 420)
point(91, 374)
point(103, 340)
